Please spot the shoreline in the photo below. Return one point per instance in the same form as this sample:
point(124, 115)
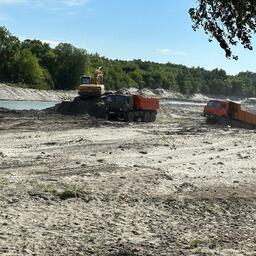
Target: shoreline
point(31, 100)
point(26, 94)
point(11, 93)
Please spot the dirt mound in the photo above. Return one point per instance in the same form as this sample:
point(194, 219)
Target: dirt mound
point(250, 101)
point(94, 107)
point(5, 112)
point(143, 92)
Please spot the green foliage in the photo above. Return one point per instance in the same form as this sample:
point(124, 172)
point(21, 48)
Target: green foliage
point(70, 64)
point(9, 55)
point(229, 22)
point(36, 64)
point(31, 72)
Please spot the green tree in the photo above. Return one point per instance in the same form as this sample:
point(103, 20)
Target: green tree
point(31, 72)
point(40, 66)
point(70, 64)
point(9, 55)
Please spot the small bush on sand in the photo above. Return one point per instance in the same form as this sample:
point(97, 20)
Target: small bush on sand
point(195, 243)
point(68, 192)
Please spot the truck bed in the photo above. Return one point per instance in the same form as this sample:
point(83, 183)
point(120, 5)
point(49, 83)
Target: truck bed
point(245, 117)
point(142, 103)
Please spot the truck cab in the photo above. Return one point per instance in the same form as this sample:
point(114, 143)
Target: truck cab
point(118, 105)
point(229, 112)
point(131, 107)
point(216, 108)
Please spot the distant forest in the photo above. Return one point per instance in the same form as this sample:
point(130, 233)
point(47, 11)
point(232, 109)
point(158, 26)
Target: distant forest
point(37, 65)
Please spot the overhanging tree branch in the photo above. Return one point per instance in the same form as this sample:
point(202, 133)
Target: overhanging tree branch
point(228, 21)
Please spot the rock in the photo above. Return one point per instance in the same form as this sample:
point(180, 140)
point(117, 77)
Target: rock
point(243, 156)
point(166, 177)
point(50, 143)
point(135, 232)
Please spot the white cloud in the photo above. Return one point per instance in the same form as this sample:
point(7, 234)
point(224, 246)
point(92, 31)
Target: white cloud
point(180, 53)
point(74, 2)
point(168, 52)
point(12, 1)
point(52, 43)
point(46, 3)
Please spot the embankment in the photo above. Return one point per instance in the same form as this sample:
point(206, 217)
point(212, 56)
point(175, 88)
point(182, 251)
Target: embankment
point(15, 93)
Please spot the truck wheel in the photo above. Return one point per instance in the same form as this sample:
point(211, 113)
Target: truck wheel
point(210, 120)
point(146, 117)
point(153, 117)
point(130, 117)
point(108, 117)
point(135, 119)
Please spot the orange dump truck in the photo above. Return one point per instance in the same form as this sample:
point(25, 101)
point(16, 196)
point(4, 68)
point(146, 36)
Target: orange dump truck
point(230, 113)
point(131, 108)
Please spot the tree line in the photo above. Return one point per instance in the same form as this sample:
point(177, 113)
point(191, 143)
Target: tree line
point(37, 65)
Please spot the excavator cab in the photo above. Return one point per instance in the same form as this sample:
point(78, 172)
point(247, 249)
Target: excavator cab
point(92, 87)
point(85, 80)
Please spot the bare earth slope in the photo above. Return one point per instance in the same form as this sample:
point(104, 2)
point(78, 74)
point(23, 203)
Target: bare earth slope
point(15, 93)
point(80, 186)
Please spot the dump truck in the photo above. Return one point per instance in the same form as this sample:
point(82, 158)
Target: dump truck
point(131, 108)
point(92, 86)
point(229, 113)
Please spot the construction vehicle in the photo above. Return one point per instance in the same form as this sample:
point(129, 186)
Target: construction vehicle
point(229, 113)
point(131, 108)
point(92, 86)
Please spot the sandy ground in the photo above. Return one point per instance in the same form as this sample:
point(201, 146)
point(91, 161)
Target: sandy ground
point(81, 186)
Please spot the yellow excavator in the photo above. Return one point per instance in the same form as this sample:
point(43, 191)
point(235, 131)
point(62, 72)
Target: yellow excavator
point(92, 86)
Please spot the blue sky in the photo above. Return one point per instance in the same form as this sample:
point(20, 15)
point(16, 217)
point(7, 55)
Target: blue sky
point(156, 30)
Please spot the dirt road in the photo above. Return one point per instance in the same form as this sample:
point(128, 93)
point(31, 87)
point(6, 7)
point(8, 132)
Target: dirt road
point(81, 186)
